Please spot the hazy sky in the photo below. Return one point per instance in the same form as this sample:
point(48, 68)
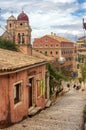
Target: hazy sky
point(63, 17)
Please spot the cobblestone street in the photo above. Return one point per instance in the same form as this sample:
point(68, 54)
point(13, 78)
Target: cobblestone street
point(65, 114)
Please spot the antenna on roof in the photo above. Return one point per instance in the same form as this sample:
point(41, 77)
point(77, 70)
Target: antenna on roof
point(22, 9)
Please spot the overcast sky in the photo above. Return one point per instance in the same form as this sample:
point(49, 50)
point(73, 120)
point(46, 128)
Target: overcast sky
point(63, 17)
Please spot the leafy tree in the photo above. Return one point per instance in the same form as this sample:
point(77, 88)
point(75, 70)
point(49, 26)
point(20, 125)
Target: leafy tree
point(55, 77)
point(8, 44)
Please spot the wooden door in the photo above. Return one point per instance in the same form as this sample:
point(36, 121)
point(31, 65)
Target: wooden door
point(30, 93)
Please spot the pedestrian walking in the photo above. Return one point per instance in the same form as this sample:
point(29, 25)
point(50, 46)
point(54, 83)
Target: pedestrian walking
point(74, 86)
point(68, 85)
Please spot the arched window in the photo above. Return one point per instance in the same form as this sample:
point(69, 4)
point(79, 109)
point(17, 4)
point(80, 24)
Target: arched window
point(10, 25)
point(51, 45)
point(56, 45)
point(19, 38)
point(46, 45)
point(23, 38)
point(45, 52)
point(51, 52)
point(56, 52)
point(21, 24)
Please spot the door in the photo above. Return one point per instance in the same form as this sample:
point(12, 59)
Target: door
point(30, 92)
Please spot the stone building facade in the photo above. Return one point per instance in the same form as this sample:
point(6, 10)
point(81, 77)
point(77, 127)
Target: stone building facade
point(19, 31)
point(81, 53)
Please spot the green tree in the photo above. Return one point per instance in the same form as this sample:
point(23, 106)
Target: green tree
point(8, 44)
point(55, 77)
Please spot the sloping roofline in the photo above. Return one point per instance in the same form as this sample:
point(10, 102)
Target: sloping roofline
point(15, 61)
point(55, 37)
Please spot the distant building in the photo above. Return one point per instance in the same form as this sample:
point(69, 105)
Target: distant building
point(19, 31)
point(53, 45)
point(81, 53)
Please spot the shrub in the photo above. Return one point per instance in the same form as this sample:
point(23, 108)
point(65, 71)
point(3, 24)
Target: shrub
point(7, 44)
point(55, 77)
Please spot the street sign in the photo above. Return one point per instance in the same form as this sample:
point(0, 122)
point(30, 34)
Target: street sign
point(73, 74)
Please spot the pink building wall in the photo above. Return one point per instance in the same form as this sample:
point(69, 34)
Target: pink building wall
point(10, 112)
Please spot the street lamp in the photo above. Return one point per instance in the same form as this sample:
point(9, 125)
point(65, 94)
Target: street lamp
point(61, 60)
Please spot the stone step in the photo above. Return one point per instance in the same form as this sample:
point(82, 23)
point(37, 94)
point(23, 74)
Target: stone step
point(48, 104)
point(34, 111)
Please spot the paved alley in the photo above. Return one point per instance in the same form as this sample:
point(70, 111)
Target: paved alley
point(65, 114)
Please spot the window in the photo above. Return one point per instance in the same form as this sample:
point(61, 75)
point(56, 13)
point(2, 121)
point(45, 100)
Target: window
point(10, 25)
point(56, 45)
point(23, 40)
point(21, 24)
point(19, 38)
point(56, 52)
point(17, 93)
point(51, 45)
point(50, 52)
point(45, 52)
point(46, 45)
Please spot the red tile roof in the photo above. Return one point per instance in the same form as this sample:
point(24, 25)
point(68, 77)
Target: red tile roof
point(60, 39)
point(10, 60)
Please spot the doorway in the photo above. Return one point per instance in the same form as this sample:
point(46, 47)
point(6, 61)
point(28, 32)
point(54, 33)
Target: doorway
point(30, 93)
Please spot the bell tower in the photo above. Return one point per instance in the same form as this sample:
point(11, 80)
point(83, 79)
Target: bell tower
point(10, 27)
point(19, 31)
point(23, 33)
point(23, 29)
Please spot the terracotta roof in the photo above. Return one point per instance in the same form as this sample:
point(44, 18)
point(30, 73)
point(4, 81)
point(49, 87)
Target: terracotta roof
point(60, 39)
point(40, 55)
point(10, 60)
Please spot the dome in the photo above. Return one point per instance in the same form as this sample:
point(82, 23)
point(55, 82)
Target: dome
point(22, 17)
point(11, 18)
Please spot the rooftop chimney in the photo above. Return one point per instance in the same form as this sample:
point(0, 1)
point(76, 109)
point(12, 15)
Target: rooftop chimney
point(51, 33)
